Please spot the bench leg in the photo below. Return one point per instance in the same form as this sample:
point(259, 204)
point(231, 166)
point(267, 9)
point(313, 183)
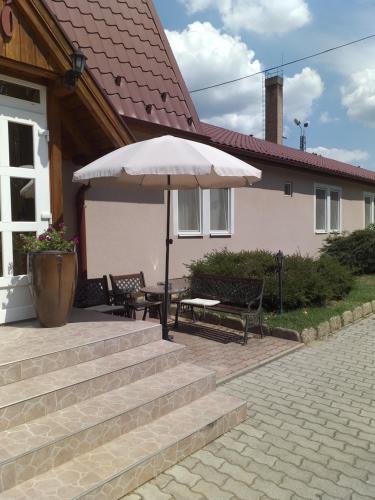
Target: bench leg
point(261, 325)
point(145, 314)
point(176, 316)
point(246, 332)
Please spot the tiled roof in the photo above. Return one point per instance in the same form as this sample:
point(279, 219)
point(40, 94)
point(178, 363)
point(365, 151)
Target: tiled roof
point(294, 157)
point(124, 38)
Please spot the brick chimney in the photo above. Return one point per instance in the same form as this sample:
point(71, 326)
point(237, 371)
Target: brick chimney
point(274, 109)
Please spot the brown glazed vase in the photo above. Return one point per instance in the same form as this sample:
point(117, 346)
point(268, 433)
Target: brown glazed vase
point(53, 279)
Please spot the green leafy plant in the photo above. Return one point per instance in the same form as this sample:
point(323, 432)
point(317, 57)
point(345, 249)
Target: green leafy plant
point(306, 281)
point(52, 239)
point(355, 250)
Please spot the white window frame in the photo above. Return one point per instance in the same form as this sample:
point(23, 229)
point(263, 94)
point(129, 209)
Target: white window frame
point(367, 194)
point(205, 216)
point(328, 188)
point(230, 230)
point(177, 230)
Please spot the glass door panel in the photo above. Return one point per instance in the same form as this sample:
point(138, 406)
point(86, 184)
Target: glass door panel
point(21, 145)
point(22, 193)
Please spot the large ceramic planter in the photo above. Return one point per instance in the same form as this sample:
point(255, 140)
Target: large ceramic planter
point(53, 278)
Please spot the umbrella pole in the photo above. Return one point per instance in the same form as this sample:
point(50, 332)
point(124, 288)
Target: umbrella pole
point(168, 242)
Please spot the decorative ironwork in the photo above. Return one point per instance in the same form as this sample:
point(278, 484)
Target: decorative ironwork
point(239, 296)
point(126, 291)
point(92, 292)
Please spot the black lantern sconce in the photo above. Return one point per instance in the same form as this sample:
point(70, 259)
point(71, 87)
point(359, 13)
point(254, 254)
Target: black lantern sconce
point(78, 65)
point(279, 257)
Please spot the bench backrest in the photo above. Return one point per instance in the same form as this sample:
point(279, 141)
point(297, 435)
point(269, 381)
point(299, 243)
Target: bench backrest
point(229, 290)
point(91, 292)
point(127, 283)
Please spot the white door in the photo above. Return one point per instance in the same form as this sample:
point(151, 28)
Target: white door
point(24, 188)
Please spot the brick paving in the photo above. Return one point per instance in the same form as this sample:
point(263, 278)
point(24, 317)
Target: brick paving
point(229, 359)
point(310, 432)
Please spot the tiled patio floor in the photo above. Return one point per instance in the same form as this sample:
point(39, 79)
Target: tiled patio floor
point(229, 360)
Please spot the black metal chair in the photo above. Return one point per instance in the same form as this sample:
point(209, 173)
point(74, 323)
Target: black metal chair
point(126, 289)
point(93, 294)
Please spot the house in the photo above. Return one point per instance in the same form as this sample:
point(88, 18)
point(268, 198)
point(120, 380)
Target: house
point(131, 90)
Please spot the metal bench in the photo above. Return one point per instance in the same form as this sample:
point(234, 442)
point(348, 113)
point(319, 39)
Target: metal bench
point(126, 289)
point(237, 296)
point(93, 294)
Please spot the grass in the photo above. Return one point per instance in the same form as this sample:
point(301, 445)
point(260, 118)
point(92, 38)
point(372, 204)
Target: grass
point(363, 291)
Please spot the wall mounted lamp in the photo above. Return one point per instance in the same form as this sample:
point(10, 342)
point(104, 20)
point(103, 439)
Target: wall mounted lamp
point(78, 59)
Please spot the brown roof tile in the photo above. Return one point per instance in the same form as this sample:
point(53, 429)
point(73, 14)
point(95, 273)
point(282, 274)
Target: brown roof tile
point(125, 38)
point(293, 157)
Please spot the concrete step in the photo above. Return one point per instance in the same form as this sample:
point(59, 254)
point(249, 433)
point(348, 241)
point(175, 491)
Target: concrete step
point(28, 351)
point(35, 447)
point(116, 468)
point(38, 396)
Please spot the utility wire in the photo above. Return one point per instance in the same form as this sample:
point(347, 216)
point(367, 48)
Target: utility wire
point(284, 64)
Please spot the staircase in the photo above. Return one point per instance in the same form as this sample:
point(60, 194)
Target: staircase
point(95, 409)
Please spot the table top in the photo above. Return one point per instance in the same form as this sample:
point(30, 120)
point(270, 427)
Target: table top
point(178, 286)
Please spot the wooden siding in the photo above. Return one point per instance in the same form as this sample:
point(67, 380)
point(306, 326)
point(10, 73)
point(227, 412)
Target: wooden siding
point(24, 46)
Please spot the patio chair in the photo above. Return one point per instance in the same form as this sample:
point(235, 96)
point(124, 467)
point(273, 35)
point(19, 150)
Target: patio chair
point(127, 292)
point(93, 294)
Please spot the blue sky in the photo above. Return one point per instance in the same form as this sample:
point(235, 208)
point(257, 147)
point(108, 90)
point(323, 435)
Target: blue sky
point(216, 40)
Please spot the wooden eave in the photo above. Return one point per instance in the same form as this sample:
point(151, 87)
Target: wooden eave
point(59, 48)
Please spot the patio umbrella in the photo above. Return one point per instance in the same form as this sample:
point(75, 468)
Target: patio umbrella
point(168, 163)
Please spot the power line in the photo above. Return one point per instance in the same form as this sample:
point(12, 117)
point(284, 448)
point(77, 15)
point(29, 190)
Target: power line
point(283, 65)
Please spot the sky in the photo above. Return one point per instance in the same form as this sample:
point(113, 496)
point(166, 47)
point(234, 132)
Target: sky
point(218, 40)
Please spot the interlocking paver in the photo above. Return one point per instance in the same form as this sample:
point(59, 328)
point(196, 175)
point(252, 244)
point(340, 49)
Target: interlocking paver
point(310, 431)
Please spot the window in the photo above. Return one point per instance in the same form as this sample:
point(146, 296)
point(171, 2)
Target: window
point(288, 189)
point(219, 211)
point(189, 212)
point(11, 89)
point(199, 212)
point(327, 209)
point(369, 199)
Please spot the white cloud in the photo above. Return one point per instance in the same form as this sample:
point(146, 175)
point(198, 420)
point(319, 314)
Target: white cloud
point(325, 117)
point(300, 92)
point(353, 156)
point(260, 16)
point(207, 56)
point(358, 96)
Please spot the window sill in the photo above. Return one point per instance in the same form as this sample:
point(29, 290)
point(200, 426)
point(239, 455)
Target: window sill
point(190, 235)
point(327, 232)
point(220, 235)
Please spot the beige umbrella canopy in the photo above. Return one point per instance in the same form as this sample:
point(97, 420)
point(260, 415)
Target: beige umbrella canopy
point(168, 163)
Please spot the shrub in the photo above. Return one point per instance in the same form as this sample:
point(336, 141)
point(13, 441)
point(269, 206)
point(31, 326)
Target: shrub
point(355, 250)
point(306, 281)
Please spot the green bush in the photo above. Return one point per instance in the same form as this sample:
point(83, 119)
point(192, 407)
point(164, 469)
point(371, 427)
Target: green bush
point(355, 250)
point(306, 281)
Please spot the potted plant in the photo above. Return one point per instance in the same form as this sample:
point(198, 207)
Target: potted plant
point(52, 268)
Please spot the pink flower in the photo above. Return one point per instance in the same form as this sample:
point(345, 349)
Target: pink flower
point(75, 240)
point(61, 225)
point(48, 238)
point(50, 229)
point(42, 237)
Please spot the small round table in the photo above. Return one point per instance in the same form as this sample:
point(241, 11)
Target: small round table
point(176, 287)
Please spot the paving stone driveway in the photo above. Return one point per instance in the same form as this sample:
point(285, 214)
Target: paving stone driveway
point(310, 432)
